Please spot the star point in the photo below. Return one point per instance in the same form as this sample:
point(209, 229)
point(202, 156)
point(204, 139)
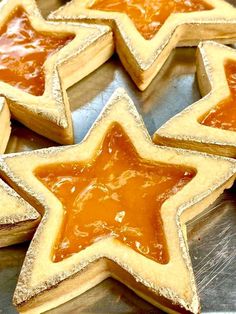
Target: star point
point(18, 220)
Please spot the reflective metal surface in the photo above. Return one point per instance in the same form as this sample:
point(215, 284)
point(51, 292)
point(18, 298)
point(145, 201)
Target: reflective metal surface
point(212, 239)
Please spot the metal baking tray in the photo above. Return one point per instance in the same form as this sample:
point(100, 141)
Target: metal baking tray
point(211, 238)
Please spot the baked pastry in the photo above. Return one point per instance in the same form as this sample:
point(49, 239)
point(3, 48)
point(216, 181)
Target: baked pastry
point(208, 125)
point(95, 190)
point(146, 31)
point(18, 220)
point(5, 125)
point(40, 60)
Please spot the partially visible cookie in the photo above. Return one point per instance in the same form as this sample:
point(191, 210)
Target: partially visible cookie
point(18, 220)
point(5, 125)
point(209, 125)
point(40, 60)
point(147, 31)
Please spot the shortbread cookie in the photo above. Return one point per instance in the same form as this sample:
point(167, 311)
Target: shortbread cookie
point(114, 205)
point(208, 125)
point(40, 59)
point(147, 31)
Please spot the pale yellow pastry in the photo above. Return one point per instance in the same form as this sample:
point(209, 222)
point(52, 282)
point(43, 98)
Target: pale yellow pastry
point(147, 31)
point(114, 205)
point(18, 220)
point(209, 125)
point(5, 125)
point(40, 60)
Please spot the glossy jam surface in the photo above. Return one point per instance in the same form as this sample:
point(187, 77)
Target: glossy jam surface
point(223, 116)
point(116, 194)
point(149, 15)
point(23, 52)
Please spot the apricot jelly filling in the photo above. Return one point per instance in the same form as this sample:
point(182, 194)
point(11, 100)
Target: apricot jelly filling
point(223, 116)
point(149, 15)
point(23, 52)
point(116, 194)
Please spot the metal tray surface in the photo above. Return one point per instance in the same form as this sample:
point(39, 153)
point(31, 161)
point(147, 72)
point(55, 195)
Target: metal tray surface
point(212, 237)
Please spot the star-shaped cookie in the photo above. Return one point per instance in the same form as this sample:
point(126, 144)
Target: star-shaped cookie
point(113, 205)
point(147, 31)
point(40, 59)
point(209, 124)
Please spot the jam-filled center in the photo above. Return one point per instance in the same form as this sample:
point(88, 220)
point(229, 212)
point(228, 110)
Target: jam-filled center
point(223, 116)
point(116, 194)
point(149, 15)
point(23, 52)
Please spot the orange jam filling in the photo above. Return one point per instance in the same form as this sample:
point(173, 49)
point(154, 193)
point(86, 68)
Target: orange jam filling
point(23, 52)
point(223, 116)
point(116, 194)
point(149, 15)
